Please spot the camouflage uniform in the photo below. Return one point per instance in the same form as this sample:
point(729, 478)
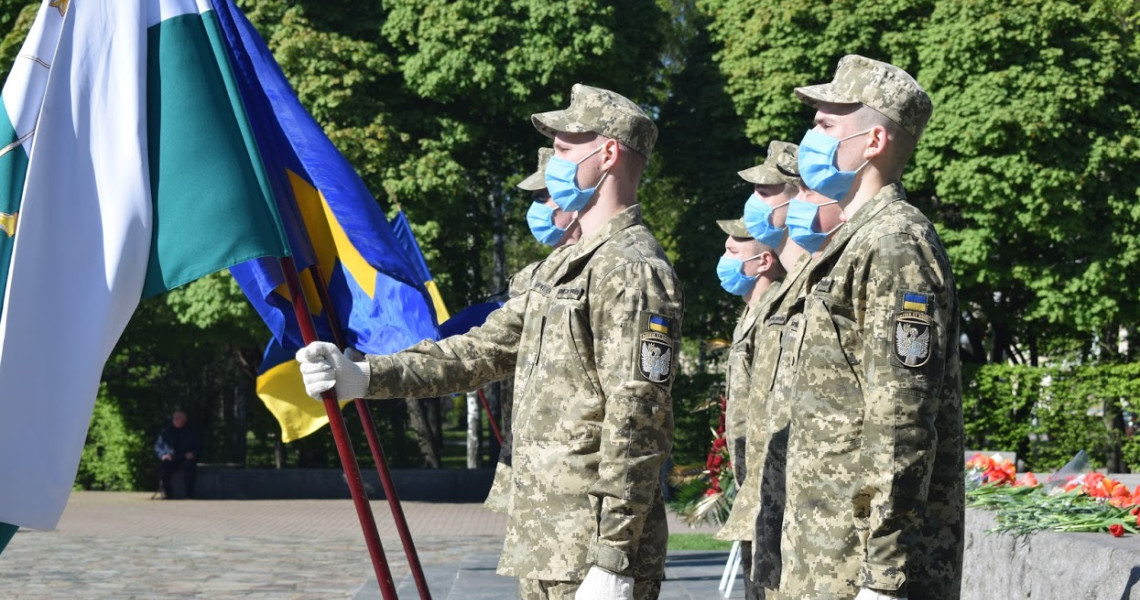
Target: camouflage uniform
point(593, 347)
point(768, 435)
point(501, 486)
point(875, 450)
point(873, 387)
point(749, 358)
point(745, 359)
point(762, 351)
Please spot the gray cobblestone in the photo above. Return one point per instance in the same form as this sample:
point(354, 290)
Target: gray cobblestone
point(126, 546)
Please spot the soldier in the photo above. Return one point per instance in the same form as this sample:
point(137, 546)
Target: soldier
point(552, 227)
point(768, 433)
point(874, 504)
point(765, 240)
point(593, 347)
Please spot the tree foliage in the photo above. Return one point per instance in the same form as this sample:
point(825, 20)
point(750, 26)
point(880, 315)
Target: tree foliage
point(1033, 155)
point(1030, 168)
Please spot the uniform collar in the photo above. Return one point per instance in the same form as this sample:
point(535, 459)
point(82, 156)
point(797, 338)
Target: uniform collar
point(762, 305)
point(789, 284)
point(584, 249)
point(887, 195)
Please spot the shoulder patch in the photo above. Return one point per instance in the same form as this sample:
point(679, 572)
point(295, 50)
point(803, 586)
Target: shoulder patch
point(911, 334)
point(653, 358)
point(916, 302)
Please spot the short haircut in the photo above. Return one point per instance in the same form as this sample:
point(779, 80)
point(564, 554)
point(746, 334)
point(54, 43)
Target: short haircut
point(901, 143)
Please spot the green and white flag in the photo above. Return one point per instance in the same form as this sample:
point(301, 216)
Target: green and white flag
point(142, 174)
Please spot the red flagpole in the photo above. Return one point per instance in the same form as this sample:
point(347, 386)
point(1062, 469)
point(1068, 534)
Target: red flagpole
point(490, 416)
point(374, 444)
point(343, 443)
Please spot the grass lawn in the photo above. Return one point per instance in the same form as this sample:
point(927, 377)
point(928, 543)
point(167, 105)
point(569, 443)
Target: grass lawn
point(696, 541)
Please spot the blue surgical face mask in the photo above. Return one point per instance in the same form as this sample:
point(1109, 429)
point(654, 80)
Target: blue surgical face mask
point(732, 278)
point(540, 219)
point(801, 217)
point(562, 183)
point(818, 169)
point(758, 220)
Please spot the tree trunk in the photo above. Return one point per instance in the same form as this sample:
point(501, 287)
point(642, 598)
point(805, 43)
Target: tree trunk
point(498, 243)
point(432, 408)
point(473, 430)
point(279, 454)
point(999, 351)
point(1114, 423)
point(419, 419)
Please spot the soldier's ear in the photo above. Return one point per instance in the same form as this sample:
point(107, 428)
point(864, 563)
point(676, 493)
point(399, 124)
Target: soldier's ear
point(767, 261)
point(611, 150)
point(879, 142)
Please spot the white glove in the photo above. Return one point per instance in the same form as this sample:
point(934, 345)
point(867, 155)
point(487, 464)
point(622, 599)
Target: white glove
point(353, 354)
point(600, 584)
point(324, 367)
point(869, 594)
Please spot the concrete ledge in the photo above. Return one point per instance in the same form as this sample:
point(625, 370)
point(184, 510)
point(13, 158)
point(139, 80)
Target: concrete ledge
point(1047, 565)
point(218, 482)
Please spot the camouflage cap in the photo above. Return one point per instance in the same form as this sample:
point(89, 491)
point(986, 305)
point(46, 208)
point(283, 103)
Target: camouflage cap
point(603, 112)
point(878, 85)
point(537, 180)
point(780, 166)
point(734, 227)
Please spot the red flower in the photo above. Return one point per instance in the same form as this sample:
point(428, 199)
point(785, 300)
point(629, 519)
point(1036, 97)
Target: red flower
point(1116, 529)
point(1095, 485)
point(1000, 474)
point(1027, 480)
point(979, 461)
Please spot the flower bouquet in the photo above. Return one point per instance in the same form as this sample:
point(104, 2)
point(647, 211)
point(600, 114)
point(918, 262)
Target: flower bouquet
point(1068, 501)
point(704, 495)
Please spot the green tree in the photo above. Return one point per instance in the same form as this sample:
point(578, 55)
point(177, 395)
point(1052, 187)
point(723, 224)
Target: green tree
point(473, 73)
point(692, 179)
point(769, 47)
point(16, 18)
point(1033, 161)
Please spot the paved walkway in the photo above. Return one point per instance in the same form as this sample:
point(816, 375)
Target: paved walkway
point(123, 545)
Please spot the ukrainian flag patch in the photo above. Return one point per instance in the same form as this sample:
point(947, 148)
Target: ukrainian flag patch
point(915, 302)
point(659, 324)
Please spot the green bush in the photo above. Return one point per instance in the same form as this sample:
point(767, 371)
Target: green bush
point(1048, 414)
point(115, 456)
point(695, 414)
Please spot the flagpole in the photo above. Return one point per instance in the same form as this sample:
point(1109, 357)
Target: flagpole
point(490, 416)
point(343, 443)
point(374, 444)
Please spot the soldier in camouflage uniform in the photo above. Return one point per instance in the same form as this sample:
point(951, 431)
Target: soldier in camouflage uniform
point(874, 505)
point(593, 346)
point(535, 183)
point(781, 326)
point(766, 207)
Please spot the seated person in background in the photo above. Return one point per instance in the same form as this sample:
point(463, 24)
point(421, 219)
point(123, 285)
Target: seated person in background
point(178, 446)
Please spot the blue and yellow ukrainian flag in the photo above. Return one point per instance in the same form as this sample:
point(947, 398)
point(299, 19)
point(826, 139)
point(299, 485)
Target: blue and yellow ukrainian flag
point(659, 324)
point(333, 223)
point(403, 232)
point(915, 302)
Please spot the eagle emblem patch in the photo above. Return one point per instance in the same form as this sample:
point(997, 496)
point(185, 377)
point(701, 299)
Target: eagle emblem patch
point(654, 356)
point(655, 359)
point(912, 338)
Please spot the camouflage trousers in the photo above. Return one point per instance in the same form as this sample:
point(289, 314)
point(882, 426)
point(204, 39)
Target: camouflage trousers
point(752, 589)
point(537, 589)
